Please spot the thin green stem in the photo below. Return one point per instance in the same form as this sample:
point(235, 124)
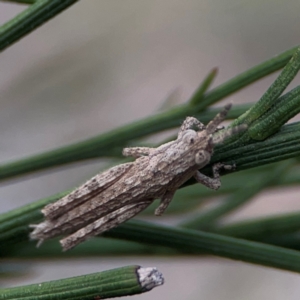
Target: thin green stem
point(21, 1)
point(199, 94)
point(108, 284)
point(35, 15)
point(269, 98)
point(93, 247)
point(284, 109)
point(287, 240)
point(281, 145)
point(183, 240)
point(263, 119)
point(203, 242)
point(260, 228)
point(280, 230)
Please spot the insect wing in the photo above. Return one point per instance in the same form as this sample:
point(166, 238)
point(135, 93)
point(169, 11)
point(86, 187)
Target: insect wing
point(87, 191)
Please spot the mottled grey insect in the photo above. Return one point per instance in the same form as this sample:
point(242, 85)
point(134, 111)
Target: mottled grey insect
point(123, 191)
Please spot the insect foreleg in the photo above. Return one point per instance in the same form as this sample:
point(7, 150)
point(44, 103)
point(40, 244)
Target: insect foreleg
point(212, 183)
point(137, 151)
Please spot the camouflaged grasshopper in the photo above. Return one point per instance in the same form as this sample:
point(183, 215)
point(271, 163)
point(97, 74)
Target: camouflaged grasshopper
point(123, 191)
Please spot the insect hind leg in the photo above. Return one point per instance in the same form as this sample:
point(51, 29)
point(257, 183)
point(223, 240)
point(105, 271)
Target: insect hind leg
point(164, 203)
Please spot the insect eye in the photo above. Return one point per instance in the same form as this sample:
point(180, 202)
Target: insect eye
point(189, 136)
point(199, 158)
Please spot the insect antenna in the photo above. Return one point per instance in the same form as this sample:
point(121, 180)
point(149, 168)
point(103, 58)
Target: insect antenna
point(219, 138)
point(212, 126)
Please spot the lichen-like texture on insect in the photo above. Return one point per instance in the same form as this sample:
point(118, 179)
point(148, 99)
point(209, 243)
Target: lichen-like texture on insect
point(123, 191)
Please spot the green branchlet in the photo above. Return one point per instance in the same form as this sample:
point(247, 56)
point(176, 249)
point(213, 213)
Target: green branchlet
point(267, 115)
point(108, 284)
point(203, 88)
point(34, 16)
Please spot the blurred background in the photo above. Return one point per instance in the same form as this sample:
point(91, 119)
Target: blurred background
point(102, 64)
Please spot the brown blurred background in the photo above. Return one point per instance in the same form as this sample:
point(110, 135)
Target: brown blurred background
point(101, 64)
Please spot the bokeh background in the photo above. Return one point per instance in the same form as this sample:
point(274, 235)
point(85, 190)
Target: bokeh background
point(101, 64)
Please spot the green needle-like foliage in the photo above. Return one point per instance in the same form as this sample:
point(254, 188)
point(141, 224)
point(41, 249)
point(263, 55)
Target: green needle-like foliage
point(272, 241)
point(108, 284)
point(35, 15)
